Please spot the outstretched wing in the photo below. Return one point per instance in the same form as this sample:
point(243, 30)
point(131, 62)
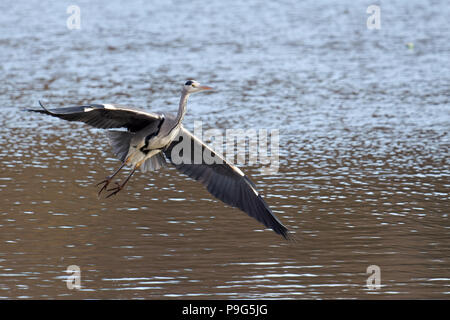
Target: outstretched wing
point(104, 116)
point(223, 180)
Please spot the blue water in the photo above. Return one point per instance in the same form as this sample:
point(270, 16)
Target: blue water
point(364, 148)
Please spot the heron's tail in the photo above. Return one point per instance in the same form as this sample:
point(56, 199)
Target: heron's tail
point(120, 142)
point(154, 163)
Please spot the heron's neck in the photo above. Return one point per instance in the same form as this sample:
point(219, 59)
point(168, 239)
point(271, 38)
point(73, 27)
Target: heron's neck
point(182, 107)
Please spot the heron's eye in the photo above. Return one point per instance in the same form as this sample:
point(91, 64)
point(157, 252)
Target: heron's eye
point(188, 83)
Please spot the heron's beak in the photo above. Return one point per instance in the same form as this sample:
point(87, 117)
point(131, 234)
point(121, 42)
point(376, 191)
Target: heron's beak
point(206, 88)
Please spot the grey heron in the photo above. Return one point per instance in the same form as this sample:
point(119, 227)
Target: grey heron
point(149, 141)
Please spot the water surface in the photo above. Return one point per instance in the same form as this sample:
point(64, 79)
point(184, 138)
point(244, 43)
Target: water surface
point(364, 149)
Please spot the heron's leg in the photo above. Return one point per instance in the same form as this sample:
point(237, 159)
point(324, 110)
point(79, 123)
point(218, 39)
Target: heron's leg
point(108, 179)
point(119, 187)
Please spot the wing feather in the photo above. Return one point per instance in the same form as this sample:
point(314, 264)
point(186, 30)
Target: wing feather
point(104, 116)
point(224, 181)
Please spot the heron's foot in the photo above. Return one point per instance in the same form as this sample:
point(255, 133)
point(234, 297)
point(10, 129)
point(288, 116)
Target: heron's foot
point(105, 185)
point(115, 190)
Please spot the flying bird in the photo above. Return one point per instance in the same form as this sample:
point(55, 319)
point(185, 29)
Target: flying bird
point(150, 140)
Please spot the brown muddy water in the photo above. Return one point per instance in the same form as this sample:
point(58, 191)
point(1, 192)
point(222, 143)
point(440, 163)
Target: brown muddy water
point(364, 150)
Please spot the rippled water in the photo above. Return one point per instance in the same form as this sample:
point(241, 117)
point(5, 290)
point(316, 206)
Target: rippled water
point(364, 149)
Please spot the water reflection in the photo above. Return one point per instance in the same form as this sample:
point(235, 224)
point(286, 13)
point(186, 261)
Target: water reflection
point(363, 166)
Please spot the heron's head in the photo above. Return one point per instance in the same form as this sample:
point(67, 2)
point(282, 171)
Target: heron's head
point(192, 86)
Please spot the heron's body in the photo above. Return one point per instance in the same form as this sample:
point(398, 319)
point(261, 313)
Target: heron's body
point(151, 139)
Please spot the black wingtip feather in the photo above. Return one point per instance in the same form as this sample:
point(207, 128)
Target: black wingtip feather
point(43, 107)
point(44, 110)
